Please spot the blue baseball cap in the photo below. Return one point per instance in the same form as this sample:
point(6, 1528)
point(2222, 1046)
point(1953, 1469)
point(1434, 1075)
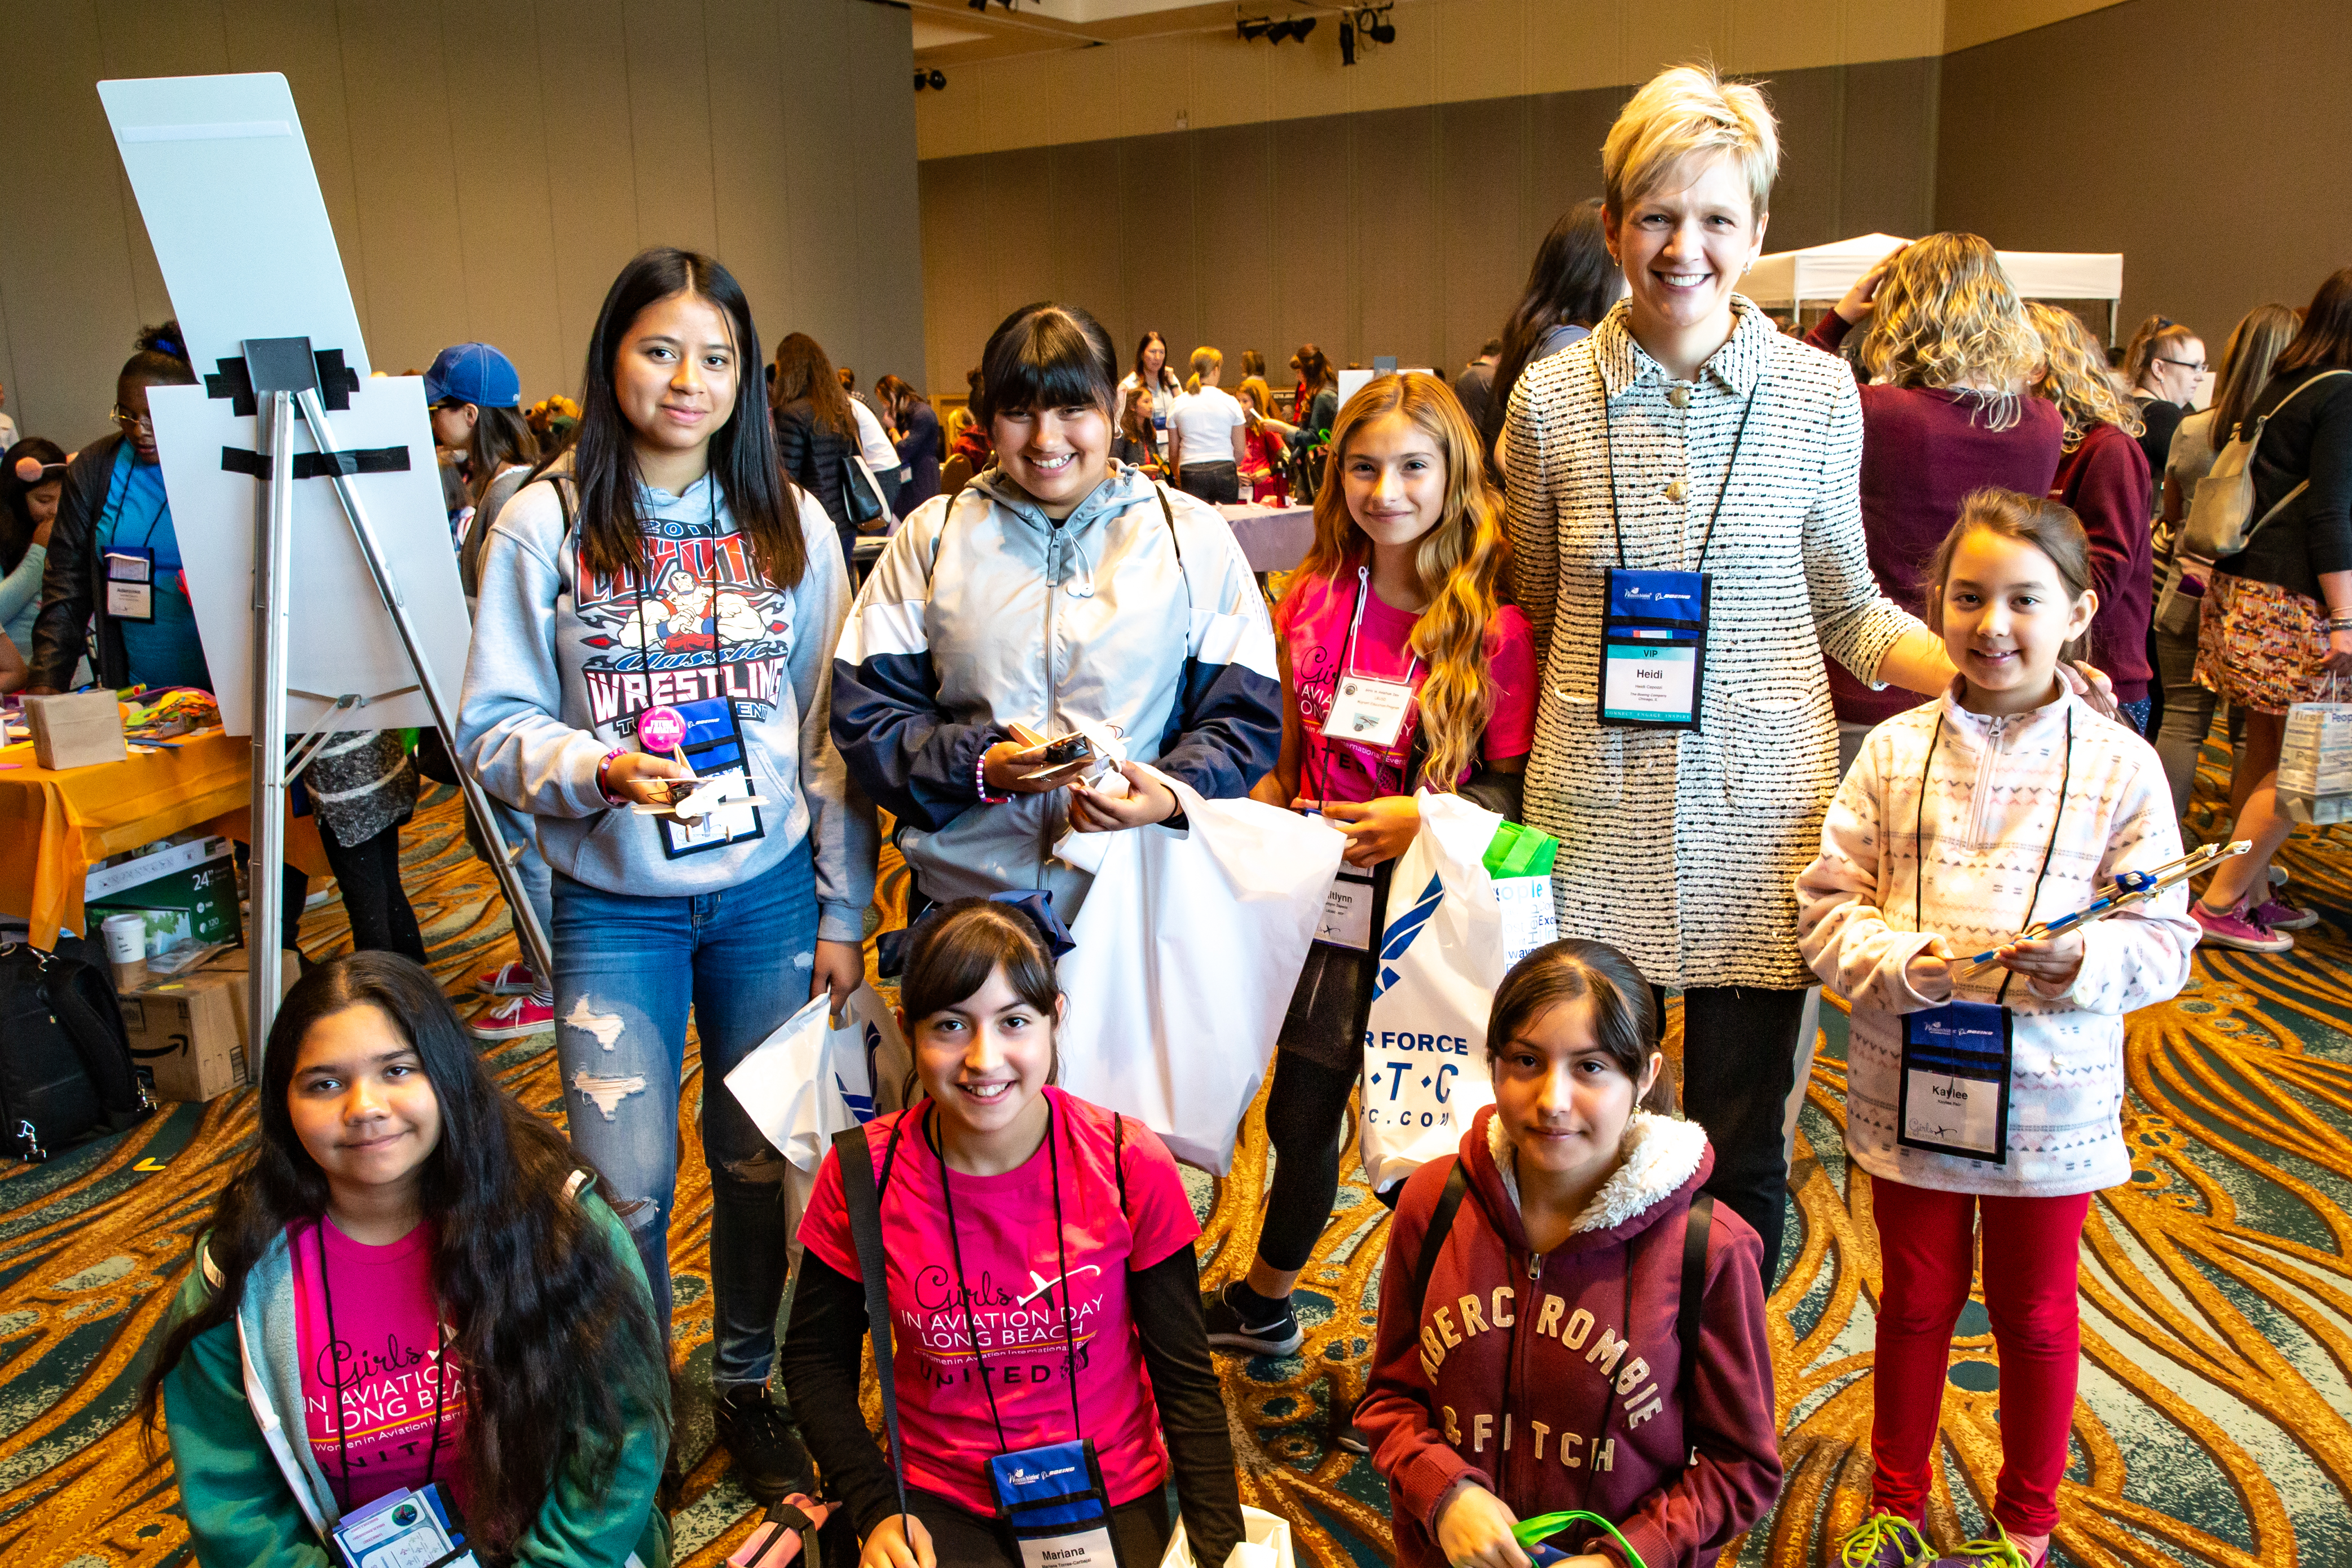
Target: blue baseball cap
point(473, 372)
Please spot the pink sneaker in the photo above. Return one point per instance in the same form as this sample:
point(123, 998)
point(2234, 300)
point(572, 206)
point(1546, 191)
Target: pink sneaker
point(512, 978)
point(513, 1018)
point(2277, 914)
point(2235, 927)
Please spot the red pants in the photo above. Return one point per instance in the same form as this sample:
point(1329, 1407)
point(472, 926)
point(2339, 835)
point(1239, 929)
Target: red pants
point(2030, 1251)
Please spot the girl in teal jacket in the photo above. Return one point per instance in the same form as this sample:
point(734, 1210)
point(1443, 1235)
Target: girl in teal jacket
point(412, 1281)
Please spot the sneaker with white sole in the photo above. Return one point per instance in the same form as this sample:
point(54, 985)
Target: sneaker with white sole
point(1269, 1329)
point(2277, 914)
point(512, 978)
point(513, 1018)
point(2235, 927)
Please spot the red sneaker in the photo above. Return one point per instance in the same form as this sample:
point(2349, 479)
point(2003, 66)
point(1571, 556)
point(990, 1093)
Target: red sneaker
point(2235, 927)
point(512, 978)
point(513, 1018)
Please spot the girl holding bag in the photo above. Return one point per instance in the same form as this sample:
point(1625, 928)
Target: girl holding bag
point(1989, 1103)
point(1058, 588)
point(1402, 670)
point(1039, 1266)
point(665, 611)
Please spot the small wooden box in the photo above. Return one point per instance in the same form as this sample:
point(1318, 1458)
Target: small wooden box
point(76, 730)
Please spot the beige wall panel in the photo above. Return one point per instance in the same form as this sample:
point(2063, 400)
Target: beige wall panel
point(594, 195)
point(1893, 29)
point(669, 123)
point(1085, 104)
point(953, 122)
point(1786, 34)
point(1657, 36)
point(1232, 80)
point(878, 143)
point(956, 286)
point(1395, 235)
point(1574, 44)
point(1018, 242)
point(1481, 46)
point(1315, 283)
point(1309, 81)
point(1024, 91)
point(1398, 76)
point(751, 166)
point(1968, 23)
point(1235, 173)
point(1485, 235)
point(1154, 86)
point(1090, 238)
point(1157, 210)
point(821, 108)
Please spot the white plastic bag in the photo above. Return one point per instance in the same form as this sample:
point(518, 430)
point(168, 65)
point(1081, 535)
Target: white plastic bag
point(1451, 932)
point(2315, 770)
point(1265, 1543)
point(1189, 945)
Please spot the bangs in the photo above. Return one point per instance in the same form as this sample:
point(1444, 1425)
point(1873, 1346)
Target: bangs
point(1046, 356)
point(958, 947)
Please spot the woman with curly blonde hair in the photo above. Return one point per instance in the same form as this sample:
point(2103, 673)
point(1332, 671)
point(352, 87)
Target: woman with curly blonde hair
point(2103, 476)
point(1403, 590)
point(1946, 354)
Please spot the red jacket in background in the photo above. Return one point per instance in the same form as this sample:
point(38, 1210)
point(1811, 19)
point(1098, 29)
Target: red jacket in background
point(2107, 483)
point(1552, 1381)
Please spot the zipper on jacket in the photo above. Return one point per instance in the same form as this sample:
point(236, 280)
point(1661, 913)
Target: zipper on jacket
point(1987, 765)
point(1514, 1465)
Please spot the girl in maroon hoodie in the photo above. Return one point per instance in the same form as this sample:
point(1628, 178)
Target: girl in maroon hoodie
point(1540, 1370)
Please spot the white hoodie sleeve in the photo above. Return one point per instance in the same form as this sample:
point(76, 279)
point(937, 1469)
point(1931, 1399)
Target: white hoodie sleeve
point(1843, 935)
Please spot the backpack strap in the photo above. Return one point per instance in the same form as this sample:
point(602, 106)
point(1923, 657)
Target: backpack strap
point(1440, 1221)
point(1177, 540)
point(1696, 1230)
point(1118, 1157)
point(862, 1199)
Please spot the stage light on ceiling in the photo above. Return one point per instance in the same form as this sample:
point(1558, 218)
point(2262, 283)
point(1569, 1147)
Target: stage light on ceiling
point(1347, 42)
point(934, 79)
point(1301, 26)
point(1381, 30)
point(1273, 32)
point(1252, 29)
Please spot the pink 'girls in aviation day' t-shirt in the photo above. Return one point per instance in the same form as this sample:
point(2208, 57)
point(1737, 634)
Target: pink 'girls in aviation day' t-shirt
point(1012, 1273)
point(385, 1357)
point(1315, 616)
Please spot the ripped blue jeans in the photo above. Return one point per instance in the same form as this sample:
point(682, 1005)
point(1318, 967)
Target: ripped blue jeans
point(627, 969)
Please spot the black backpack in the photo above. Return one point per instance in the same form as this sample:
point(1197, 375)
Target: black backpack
point(65, 1058)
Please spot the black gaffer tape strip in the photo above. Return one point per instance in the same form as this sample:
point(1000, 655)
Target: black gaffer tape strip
point(320, 465)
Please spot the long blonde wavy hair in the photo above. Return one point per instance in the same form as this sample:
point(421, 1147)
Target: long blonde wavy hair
point(1945, 314)
point(1464, 563)
point(2075, 376)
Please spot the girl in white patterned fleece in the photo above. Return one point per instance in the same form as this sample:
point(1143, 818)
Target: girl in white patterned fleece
point(2004, 801)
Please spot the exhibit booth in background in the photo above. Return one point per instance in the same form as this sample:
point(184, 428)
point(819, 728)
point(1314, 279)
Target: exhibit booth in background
point(1815, 279)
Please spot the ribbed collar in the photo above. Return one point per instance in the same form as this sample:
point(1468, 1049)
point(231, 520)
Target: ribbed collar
point(1737, 364)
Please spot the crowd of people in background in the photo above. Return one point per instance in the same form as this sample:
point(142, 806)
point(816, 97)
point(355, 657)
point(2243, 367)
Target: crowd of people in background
point(1946, 559)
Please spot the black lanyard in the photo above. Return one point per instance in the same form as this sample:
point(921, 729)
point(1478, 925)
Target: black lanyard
point(1919, 883)
point(117, 493)
point(963, 1292)
point(1609, 456)
point(334, 1357)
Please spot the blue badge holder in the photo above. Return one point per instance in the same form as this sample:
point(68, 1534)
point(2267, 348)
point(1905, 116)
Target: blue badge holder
point(713, 747)
point(1053, 1499)
point(1654, 643)
point(1954, 1057)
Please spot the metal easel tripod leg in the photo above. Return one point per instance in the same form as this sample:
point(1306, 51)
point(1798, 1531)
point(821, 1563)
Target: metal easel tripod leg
point(285, 378)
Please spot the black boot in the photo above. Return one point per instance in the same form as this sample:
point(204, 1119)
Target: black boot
point(770, 1460)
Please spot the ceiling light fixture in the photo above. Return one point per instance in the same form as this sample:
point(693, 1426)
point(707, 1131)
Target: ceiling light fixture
point(1252, 30)
point(935, 78)
point(1347, 42)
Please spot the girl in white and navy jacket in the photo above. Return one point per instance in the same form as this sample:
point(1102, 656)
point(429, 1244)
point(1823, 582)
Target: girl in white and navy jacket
point(2005, 802)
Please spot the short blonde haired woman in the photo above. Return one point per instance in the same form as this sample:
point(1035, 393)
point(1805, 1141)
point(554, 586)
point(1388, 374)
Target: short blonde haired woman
point(1687, 435)
point(1947, 351)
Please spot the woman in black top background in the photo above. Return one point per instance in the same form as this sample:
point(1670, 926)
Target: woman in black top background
point(2165, 364)
point(816, 435)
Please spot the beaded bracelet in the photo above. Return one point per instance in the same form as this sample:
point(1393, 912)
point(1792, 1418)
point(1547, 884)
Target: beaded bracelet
point(604, 772)
point(980, 784)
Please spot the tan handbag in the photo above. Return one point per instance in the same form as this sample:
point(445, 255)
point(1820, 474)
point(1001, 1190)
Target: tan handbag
point(2218, 522)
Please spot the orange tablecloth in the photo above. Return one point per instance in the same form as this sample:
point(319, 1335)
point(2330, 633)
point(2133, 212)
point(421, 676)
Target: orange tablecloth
point(54, 826)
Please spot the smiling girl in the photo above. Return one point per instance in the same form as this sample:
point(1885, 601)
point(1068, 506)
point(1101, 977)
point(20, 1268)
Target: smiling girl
point(1991, 1101)
point(1540, 1364)
point(1058, 588)
point(675, 569)
point(402, 1287)
point(1040, 1266)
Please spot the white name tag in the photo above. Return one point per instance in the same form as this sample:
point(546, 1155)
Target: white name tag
point(130, 585)
point(1956, 1112)
point(1087, 1549)
point(725, 823)
point(1368, 710)
point(1641, 683)
point(1348, 911)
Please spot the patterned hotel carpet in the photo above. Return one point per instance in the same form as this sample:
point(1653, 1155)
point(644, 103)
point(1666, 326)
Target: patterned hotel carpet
point(2216, 1416)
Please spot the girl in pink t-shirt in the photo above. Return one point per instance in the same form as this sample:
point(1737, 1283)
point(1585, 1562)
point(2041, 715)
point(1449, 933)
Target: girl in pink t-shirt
point(1402, 670)
point(1041, 1280)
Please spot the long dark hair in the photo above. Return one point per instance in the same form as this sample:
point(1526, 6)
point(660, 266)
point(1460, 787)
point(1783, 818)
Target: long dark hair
point(554, 1332)
point(1624, 1012)
point(501, 437)
point(16, 507)
point(2325, 340)
point(743, 454)
point(1572, 280)
point(803, 372)
point(1167, 368)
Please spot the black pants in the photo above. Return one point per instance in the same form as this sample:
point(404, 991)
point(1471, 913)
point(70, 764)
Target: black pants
point(1739, 1065)
point(1216, 483)
point(1305, 1111)
point(969, 1540)
point(369, 875)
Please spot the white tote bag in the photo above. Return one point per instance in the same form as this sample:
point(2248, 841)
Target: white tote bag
point(1451, 932)
point(1265, 1543)
point(809, 1080)
point(1189, 945)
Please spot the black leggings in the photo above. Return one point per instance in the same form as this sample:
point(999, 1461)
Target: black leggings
point(1305, 1111)
point(962, 1537)
point(369, 875)
point(1740, 1067)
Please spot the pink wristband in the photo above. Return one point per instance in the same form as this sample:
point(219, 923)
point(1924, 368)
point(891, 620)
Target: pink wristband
point(603, 770)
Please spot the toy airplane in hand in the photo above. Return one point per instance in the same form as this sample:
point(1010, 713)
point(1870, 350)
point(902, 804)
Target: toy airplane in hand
point(2129, 888)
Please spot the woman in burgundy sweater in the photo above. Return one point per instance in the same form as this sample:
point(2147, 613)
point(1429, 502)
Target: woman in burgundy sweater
point(1944, 358)
point(2103, 475)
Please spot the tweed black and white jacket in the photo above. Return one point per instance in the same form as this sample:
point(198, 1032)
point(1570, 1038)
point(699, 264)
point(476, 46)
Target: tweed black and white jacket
point(1682, 849)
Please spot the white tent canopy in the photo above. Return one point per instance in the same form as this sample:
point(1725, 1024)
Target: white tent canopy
point(1821, 273)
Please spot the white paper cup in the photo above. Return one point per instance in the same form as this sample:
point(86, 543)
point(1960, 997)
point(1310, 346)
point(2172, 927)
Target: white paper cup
point(126, 938)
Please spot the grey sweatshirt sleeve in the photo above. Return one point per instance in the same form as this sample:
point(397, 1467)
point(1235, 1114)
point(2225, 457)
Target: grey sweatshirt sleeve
point(842, 840)
point(509, 731)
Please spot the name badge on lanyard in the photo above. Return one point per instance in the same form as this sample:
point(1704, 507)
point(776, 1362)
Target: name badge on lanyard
point(129, 582)
point(1052, 1499)
point(1347, 909)
point(1367, 709)
point(1953, 1097)
point(714, 749)
point(1653, 648)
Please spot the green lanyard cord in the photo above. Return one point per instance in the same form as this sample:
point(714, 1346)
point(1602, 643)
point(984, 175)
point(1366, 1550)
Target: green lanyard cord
point(1530, 1531)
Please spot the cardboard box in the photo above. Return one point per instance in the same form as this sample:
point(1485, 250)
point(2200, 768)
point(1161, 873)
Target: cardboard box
point(192, 1030)
point(188, 892)
point(76, 730)
point(235, 963)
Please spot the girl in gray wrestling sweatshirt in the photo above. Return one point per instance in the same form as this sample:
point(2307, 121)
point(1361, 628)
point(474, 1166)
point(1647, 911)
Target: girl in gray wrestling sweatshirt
point(667, 610)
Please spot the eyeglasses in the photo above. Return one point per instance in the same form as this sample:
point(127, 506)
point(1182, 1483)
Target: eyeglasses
point(128, 420)
point(2198, 365)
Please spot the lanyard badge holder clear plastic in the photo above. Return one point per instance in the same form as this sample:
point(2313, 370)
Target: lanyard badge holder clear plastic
point(129, 568)
point(1654, 622)
point(1366, 710)
point(1952, 1093)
